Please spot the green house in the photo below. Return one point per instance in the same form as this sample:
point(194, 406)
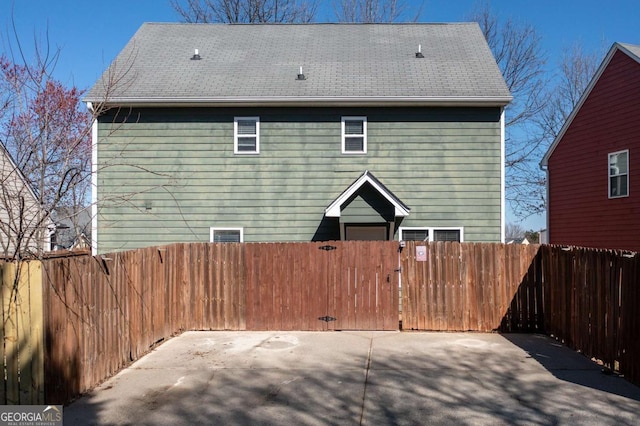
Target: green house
point(217, 132)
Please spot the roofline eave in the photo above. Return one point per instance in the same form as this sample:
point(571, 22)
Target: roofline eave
point(480, 101)
point(544, 162)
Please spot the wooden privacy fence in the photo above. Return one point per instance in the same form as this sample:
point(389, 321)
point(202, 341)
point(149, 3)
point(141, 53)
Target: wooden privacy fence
point(589, 299)
point(592, 303)
point(97, 314)
point(471, 286)
point(106, 311)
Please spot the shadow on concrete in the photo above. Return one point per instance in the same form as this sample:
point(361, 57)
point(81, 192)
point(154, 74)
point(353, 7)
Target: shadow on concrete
point(474, 382)
point(463, 379)
point(566, 364)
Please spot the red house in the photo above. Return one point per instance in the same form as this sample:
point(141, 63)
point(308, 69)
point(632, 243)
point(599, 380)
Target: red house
point(593, 166)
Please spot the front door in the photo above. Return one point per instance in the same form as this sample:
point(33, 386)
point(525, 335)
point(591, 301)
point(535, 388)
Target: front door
point(366, 233)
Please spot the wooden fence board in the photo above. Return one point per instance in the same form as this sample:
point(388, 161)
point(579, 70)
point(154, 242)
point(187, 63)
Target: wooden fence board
point(22, 334)
point(11, 323)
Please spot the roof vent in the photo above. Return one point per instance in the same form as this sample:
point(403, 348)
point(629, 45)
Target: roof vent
point(301, 75)
point(419, 52)
point(196, 56)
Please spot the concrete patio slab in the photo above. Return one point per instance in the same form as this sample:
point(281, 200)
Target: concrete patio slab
point(352, 378)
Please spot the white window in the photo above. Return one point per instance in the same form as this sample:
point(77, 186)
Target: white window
point(446, 235)
point(354, 135)
point(414, 234)
point(246, 135)
point(619, 174)
point(227, 235)
point(431, 234)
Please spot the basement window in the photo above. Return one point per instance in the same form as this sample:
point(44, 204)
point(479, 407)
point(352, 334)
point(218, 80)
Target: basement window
point(246, 135)
point(619, 174)
point(431, 234)
point(227, 235)
point(354, 135)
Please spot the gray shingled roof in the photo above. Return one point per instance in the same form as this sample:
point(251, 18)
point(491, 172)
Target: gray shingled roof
point(632, 48)
point(341, 62)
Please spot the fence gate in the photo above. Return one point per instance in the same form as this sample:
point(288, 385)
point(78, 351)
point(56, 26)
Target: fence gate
point(338, 285)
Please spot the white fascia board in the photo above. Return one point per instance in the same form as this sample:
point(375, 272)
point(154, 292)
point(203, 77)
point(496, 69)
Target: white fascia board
point(498, 101)
point(334, 209)
point(547, 206)
point(503, 201)
point(94, 187)
point(605, 63)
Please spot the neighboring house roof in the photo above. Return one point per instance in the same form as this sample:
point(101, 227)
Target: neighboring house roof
point(9, 167)
point(630, 50)
point(71, 226)
point(81, 242)
point(21, 214)
point(258, 64)
point(522, 240)
point(335, 207)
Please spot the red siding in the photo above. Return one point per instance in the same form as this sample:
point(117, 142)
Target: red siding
point(580, 212)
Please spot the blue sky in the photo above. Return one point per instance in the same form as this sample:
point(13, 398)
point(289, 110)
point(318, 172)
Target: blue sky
point(91, 33)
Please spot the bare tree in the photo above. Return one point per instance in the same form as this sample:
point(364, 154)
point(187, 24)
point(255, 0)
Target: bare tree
point(562, 94)
point(518, 53)
point(370, 11)
point(514, 231)
point(246, 11)
point(45, 155)
point(516, 48)
point(542, 102)
point(574, 73)
point(532, 236)
point(48, 150)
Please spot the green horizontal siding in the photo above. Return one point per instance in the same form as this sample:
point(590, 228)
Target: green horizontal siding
point(444, 163)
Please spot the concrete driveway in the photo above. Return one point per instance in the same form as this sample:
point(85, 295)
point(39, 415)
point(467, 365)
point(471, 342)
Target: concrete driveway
point(352, 378)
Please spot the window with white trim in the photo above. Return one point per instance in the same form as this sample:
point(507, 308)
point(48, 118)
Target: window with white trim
point(619, 174)
point(431, 234)
point(354, 135)
point(227, 235)
point(446, 235)
point(246, 135)
point(414, 234)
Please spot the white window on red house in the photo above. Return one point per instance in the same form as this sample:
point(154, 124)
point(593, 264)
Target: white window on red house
point(619, 174)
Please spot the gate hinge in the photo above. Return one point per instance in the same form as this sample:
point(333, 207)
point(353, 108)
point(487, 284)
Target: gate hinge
point(327, 318)
point(398, 270)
